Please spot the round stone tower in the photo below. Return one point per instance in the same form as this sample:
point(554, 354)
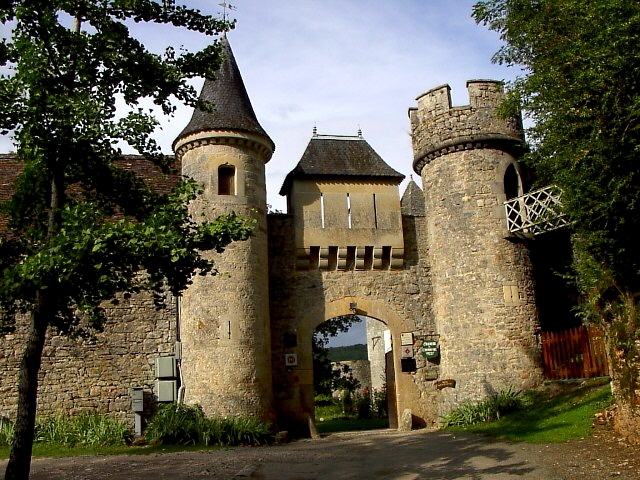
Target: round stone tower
point(483, 288)
point(224, 320)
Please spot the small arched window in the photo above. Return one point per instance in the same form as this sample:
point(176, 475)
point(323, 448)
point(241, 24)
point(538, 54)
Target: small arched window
point(512, 183)
point(226, 180)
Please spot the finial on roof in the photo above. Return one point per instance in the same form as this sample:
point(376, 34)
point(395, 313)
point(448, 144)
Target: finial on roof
point(359, 131)
point(225, 6)
point(315, 131)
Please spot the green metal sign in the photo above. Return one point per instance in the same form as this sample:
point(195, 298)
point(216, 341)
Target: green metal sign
point(430, 349)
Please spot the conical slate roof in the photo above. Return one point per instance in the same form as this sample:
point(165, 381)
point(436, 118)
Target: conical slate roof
point(412, 202)
point(340, 156)
point(227, 94)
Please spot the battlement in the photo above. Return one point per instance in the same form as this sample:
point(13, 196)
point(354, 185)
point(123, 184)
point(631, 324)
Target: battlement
point(438, 127)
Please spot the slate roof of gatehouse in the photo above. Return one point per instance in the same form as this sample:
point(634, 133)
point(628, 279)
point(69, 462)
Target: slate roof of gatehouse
point(333, 156)
point(231, 107)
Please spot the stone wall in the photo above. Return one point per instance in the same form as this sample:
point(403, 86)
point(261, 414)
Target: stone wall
point(483, 287)
point(360, 370)
point(376, 353)
point(302, 299)
point(95, 375)
point(224, 320)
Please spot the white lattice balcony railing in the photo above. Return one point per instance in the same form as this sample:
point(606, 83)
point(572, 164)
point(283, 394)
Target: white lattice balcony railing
point(535, 213)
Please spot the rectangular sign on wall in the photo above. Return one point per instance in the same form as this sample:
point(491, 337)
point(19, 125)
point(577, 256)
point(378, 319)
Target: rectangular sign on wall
point(290, 360)
point(406, 338)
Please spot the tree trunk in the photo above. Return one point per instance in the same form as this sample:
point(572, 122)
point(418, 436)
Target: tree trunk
point(20, 458)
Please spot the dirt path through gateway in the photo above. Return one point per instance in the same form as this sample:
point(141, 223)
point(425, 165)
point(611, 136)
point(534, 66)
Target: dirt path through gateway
point(378, 455)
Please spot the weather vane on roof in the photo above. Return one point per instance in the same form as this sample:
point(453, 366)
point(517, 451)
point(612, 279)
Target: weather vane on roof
point(226, 6)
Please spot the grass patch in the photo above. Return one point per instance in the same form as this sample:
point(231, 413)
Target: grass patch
point(351, 424)
point(558, 412)
point(173, 428)
point(330, 419)
point(488, 410)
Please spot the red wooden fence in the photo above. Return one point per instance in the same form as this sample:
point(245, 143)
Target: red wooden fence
point(576, 353)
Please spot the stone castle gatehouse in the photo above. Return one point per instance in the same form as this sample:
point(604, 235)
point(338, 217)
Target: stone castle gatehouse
point(453, 295)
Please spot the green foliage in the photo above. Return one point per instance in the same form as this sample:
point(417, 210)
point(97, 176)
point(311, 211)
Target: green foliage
point(82, 227)
point(66, 66)
point(346, 400)
point(349, 352)
point(326, 378)
point(91, 259)
point(179, 424)
point(490, 409)
point(624, 339)
point(6, 432)
point(557, 413)
point(581, 88)
point(379, 403)
point(364, 407)
point(370, 412)
point(86, 429)
point(323, 400)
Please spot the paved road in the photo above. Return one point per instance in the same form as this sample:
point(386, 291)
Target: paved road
point(379, 455)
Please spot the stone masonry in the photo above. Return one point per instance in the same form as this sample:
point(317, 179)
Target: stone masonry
point(436, 265)
point(483, 284)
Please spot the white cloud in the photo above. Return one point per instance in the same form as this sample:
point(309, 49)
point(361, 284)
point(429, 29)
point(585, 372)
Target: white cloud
point(340, 65)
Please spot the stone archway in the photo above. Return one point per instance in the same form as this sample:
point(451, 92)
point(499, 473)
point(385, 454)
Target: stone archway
point(405, 395)
point(370, 380)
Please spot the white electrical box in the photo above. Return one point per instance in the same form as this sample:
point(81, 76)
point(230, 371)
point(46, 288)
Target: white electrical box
point(165, 367)
point(166, 390)
point(137, 399)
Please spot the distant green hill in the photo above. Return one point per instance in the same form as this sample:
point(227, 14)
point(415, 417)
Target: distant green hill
point(350, 352)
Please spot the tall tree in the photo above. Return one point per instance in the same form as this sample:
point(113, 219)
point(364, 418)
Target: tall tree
point(81, 228)
point(581, 87)
point(326, 378)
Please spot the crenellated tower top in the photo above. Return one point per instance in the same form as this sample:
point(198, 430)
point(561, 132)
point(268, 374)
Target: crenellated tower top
point(438, 127)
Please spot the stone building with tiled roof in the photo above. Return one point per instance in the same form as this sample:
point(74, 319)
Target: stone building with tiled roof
point(452, 296)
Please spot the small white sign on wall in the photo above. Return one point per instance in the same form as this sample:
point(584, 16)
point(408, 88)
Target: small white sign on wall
point(406, 338)
point(290, 360)
point(407, 351)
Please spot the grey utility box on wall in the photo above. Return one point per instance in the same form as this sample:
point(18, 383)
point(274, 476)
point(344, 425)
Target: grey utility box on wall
point(166, 383)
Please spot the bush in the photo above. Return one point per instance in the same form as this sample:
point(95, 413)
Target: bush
point(245, 431)
point(347, 402)
point(179, 424)
point(494, 407)
point(363, 405)
point(6, 432)
point(323, 400)
point(86, 429)
point(379, 403)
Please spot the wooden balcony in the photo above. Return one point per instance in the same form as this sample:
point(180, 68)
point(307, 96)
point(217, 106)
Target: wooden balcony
point(535, 213)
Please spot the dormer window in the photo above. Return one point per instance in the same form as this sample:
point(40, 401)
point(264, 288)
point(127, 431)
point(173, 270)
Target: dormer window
point(226, 180)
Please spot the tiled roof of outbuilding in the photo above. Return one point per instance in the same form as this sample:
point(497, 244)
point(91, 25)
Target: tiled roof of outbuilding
point(10, 169)
point(228, 96)
point(340, 156)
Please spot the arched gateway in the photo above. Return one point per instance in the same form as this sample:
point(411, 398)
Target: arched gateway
point(455, 293)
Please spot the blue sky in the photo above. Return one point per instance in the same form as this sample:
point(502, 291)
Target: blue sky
point(349, 64)
point(356, 334)
point(340, 65)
